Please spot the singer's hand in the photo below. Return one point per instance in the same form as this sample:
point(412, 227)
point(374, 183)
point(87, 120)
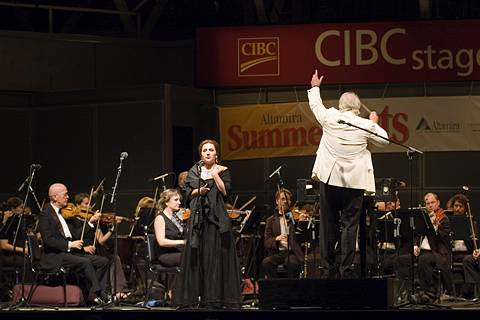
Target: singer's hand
point(203, 190)
point(218, 169)
point(282, 237)
point(316, 82)
point(374, 116)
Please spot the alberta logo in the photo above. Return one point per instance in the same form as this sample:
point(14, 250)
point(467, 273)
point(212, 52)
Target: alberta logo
point(438, 126)
point(258, 57)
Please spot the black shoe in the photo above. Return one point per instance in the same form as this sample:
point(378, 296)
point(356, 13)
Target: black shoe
point(97, 302)
point(421, 298)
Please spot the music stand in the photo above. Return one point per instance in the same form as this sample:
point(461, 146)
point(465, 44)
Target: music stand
point(460, 226)
point(306, 232)
point(422, 223)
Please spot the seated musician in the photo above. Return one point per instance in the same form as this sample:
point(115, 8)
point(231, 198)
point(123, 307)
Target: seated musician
point(62, 249)
point(144, 215)
point(11, 247)
point(279, 239)
point(169, 232)
point(387, 247)
point(433, 251)
point(464, 250)
point(169, 229)
point(461, 247)
point(98, 246)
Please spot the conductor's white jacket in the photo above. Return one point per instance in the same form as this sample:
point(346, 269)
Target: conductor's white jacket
point(343, 159)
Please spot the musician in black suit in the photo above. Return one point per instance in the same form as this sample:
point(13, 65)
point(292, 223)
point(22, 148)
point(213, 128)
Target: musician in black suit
point(279, 239)
point(61, 249)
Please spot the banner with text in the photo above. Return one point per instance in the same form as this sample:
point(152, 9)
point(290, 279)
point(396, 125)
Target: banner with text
point(345, 53)
point(290, 129)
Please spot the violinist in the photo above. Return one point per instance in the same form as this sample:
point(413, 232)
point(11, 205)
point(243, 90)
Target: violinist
point(11, 247)
point(279, 239)
point(82, 202)
point(62, 249)
point(466, 250)
point(433, 251)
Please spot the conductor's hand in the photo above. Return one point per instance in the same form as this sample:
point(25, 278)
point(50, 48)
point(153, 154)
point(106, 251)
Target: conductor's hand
point(282, 237)
point(316, 82)
point(89, 249)
point(373, 116)
point(77, 244)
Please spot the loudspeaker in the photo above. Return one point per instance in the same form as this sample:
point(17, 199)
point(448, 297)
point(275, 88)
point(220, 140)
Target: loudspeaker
point(326, 293)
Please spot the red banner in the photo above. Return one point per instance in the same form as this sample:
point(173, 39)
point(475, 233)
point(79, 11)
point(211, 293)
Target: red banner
point(344, 53)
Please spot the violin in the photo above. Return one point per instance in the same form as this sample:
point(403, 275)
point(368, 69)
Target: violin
point(235, 214)
point(72, 211)
point(107, 218)
point(185, 213)
point(299, 214)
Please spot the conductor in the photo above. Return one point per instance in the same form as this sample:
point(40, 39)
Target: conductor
point(343, 166)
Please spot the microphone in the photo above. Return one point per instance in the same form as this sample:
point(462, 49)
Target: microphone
point(341, 121)
point(200, 163)
point(123, 156)
point(36, 166)
point(160, 177)
point(276, 171)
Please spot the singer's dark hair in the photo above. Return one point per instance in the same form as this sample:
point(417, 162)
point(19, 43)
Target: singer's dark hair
point(215, 144)
point(79, 197)
point(13, 202)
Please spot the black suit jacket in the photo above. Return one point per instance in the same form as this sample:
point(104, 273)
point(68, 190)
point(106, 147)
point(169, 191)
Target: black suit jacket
point(55, 244)
point(272, 230)
point(441, 241)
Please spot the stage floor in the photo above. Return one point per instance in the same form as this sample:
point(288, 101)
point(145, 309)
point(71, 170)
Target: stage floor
point(443, 310)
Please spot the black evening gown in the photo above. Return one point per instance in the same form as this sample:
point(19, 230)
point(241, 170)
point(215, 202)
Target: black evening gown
point(210, 269)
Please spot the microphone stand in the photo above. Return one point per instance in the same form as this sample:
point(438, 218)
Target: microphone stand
point(113, 200)
point(410, 152)
point(289, 235)
point(23, 301)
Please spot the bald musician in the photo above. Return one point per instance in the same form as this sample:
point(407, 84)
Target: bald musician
point(61, 249)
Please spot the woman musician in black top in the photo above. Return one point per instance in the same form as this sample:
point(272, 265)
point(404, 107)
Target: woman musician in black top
point(169, 229)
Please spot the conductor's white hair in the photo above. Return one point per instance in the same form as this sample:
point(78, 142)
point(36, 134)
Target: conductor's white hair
point(349, 101)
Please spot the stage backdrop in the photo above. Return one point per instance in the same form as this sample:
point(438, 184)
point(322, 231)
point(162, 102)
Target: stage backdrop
point(290, 129)
point(345, 53)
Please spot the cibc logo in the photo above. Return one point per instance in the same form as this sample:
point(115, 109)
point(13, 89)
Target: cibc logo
point(258, 57)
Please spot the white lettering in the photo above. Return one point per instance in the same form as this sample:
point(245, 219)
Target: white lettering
point(468, 65)
point(360, 46)
point(318, 48)
point(383, 46)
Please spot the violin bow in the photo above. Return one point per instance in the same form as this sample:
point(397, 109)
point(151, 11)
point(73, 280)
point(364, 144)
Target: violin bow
point(98, 222)
point(85, 221)
point(247, 203)
point(235, 202)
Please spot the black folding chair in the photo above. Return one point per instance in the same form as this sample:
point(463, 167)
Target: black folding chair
point(156, 268)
